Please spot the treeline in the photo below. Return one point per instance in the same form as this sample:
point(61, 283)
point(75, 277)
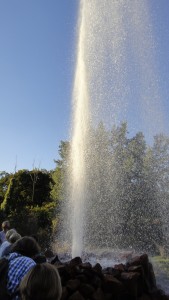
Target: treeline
point(127, 202)
point(30, 200)
point(128, 184)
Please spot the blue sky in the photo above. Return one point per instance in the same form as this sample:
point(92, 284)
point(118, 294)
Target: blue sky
point(36, 73)
point(37, 56)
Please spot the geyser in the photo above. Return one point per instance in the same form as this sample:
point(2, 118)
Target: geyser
point(110, 199)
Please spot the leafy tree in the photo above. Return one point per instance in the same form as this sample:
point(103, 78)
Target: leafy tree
point(97, 193)
point(122, 188)
point(20, 189)
point(64, 150)
point(28, 205)
point(59, 188)
point(160, 171)
point(126, 191)
point(4, 182)
point(60, 172)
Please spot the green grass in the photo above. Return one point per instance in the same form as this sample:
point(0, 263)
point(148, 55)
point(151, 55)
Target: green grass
point(161, 263)
point(160, 259)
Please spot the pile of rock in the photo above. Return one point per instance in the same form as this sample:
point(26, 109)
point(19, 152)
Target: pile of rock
point(134, 280)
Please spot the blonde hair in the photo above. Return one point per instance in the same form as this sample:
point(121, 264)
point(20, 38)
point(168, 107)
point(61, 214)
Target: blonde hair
point(9, 233)
point(41, 282)
point(14, 237)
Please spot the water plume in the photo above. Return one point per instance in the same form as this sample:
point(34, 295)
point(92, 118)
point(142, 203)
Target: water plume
point(115, 80)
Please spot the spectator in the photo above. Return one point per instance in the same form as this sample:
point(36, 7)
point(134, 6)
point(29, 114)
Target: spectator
point(9, 233)
point(14, 237)
point(20, 262)
point(11, 239)
point(40, 257)
point(5, 228)
point(49, 255)
point(41, 282)
point(6, 243)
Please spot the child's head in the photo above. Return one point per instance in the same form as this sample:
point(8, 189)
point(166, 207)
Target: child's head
point(26, 246)
point(9, 233)
point(41, 282)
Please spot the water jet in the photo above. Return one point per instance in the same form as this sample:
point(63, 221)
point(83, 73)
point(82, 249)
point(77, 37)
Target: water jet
point(111, 199)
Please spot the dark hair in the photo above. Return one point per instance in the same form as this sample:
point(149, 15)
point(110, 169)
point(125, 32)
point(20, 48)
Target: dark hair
point(26, 246)
point(41, 282)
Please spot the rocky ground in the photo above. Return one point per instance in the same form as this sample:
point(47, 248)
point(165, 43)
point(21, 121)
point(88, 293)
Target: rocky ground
point(134, 280)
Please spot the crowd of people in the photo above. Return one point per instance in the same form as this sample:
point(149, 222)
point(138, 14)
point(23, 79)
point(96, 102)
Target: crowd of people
point(29, 275)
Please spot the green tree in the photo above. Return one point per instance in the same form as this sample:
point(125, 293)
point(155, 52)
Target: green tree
point(160, 171)
point(28, 205)
point(4, 182)
point(60, 172)
point(20, 189)
point(98, 165)
point(59, 188)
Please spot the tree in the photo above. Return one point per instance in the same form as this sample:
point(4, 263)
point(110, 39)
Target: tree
point(28, 205)
point(60, 172)
point(160, 171)
point(97, 193)
point(59, 188)
point(4, 182)
point(19, 191)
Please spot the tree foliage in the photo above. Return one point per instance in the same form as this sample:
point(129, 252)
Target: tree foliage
point(128, 184)
point(26, 201)
point(24, 191)
point(60, 172)
point(128, 198)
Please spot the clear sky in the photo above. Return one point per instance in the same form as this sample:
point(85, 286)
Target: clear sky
point(37, 56)
point(37, 40)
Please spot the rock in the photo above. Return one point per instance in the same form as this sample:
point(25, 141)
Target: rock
point(76, 261)
point(119, 267)
point(115, 272)
point(130, 276)
point(134, 280)
point(112, 285)
point(82, 278)
point(55, 260)
point(97, 268)
point(130, 280)
point(96, 281)
point(76, 296)
point(86, 290)
point(98, 295)
point(86, 265)
point(144, 297)
point(73, 284)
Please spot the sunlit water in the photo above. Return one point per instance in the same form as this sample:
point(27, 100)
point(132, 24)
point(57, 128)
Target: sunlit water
point(115, 80)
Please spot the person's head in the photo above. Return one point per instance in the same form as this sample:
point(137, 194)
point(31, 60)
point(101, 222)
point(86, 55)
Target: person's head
point(14, 237)
point(9, 233)
point(41, 282)
point(26, 246)
point(5, 226)
point(35, 237)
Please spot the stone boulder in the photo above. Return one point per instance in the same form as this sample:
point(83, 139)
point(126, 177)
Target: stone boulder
point(134, 280)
